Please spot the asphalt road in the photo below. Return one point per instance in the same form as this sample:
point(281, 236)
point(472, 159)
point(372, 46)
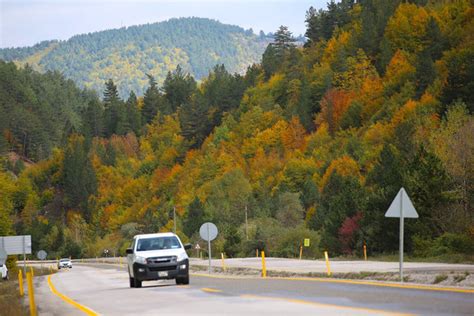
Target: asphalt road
point(104, 289)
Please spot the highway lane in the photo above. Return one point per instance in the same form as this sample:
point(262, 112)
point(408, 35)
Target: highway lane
point(104, 289)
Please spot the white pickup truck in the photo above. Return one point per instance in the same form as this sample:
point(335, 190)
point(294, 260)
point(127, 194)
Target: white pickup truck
point(157, 256)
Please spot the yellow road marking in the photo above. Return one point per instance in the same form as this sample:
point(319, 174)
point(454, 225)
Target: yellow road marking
point(394, 285)
point(84, 309)
point(372, 283)
point(209, 290)
point(331, 306)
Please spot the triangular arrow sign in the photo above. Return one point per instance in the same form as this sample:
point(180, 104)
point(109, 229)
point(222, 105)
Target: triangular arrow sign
point(402, 205)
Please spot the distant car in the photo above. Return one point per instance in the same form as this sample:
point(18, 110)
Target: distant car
point(65, 263)
point(157, 256)
point(4, 271)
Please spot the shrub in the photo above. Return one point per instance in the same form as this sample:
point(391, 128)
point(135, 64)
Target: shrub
point(440, 278)
point(448, 243)
point(453, 243)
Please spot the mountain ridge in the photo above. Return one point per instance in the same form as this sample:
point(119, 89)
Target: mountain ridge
point(129, 53)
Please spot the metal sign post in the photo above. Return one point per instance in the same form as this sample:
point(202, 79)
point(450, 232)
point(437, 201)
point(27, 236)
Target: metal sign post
point(3, 253)
point(401, 207)
point(209, 248)
point(41, 255)
point(208, 231)
point(24, 256)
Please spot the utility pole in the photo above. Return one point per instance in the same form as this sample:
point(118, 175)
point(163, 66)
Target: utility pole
point(246, 225)
point(174, 219)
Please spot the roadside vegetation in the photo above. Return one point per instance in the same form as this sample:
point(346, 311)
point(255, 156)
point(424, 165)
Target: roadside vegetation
point(10, 300)
point(313, 142)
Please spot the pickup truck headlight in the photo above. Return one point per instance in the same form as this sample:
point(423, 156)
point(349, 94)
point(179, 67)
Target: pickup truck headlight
point(182, 256)
point(141, 260)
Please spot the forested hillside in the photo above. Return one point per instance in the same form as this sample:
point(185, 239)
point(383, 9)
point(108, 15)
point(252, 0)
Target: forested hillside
point(314, 142)
point(38, 111)
point(126, 55)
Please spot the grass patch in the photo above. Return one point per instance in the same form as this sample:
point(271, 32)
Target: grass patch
point(10, 300)
point(440, 278)
point(459, 278)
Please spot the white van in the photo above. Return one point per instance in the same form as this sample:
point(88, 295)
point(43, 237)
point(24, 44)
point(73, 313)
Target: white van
point(157, 256)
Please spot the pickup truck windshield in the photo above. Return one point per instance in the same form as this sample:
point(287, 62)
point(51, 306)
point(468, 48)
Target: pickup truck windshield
point(158, 243)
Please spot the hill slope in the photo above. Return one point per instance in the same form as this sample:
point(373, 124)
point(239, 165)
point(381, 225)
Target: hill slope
point(126, 55)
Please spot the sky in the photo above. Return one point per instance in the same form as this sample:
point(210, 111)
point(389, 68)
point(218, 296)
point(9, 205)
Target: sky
point(27, 22)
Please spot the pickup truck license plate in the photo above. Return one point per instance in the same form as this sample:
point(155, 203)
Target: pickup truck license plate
point(163, 273)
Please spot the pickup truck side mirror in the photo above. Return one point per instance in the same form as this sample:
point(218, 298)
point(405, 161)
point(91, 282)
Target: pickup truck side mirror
point(129, 251)
point(188, 246)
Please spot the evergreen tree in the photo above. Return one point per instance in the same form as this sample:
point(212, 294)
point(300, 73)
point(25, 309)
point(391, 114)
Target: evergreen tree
point(178, 88)
point(122, 126)
point(194, 218)
point(270, 61)
point(434, 41)
point(283, 40)
point(341, 198)
point(222, 92)
point(322, 23)
point(374, 17)
point(93, 120)
point(78, 176)
point(193, 120)
point(274, 56)
point(232, 242)
point(151, 102)
point(425, 72)
point(110, 93)
point(460, 81)
point(114, 115)
point(384, 181)
point(133, 113)
point(427, 183)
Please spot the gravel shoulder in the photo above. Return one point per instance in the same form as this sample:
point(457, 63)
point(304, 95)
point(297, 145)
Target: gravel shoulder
point(440, 274)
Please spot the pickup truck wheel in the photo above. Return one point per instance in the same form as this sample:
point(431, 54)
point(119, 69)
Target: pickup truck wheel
point(132, 282)
point(183, 280)
point(138, 283)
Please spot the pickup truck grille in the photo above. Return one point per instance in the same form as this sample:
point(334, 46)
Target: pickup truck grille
point(165, 268)
point(161, 260)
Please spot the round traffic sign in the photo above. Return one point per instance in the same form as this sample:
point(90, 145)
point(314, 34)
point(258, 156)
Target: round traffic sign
point(3, 255)
point(41, 254)
point(208, 231)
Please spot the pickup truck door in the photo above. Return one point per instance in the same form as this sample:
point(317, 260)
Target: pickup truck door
point(131, 257)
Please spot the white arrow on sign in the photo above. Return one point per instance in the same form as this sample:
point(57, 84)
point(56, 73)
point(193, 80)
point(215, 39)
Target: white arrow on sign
point(401, 207)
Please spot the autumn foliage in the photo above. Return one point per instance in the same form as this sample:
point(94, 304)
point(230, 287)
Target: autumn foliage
point(314, 142)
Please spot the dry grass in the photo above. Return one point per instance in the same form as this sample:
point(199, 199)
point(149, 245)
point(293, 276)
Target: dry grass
point(10, 299)
point(11, 303)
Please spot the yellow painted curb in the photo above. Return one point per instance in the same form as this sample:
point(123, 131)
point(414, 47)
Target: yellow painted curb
point(393, 285)
point(331, 306)
point(372, 283)
point(84, 309)
point(209, 290)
